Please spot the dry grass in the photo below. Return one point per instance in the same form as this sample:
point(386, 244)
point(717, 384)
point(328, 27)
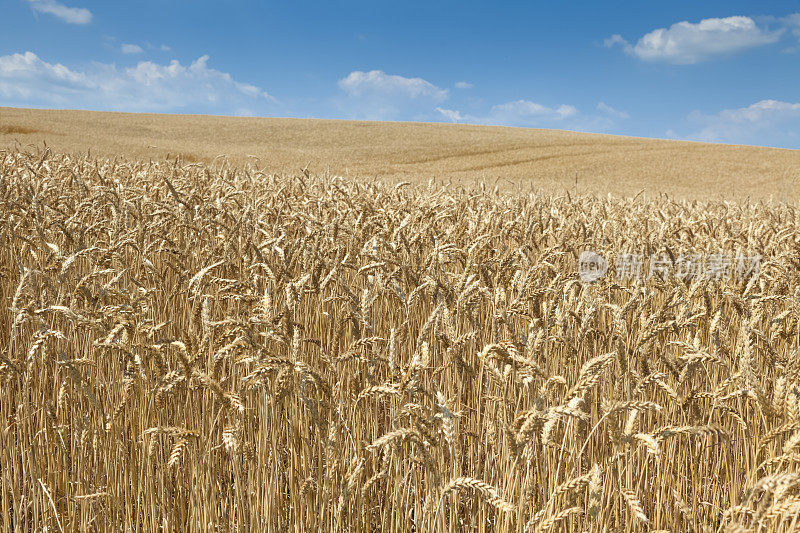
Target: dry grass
point(10, 129)
point(214, 348)
point(510, 158)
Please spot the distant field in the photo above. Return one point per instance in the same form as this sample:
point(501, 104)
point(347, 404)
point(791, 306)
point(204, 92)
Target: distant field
point(548, 160)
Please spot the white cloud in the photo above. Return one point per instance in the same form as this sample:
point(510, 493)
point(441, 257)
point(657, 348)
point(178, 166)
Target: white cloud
point(375, 95)
point(605, 108)
point(27, 80)
point(528, 114)
point(451, 114)
point(768, 122)
point(525, 112)
point(131, 49)
point(165, 48)
point(792, 23)
point(686, 43)
point(359, 83)
point(71, 15)
point(614, 40)
point(464, 85)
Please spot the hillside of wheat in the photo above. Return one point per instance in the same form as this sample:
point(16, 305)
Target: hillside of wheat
point(512, 159)
point(191, 347)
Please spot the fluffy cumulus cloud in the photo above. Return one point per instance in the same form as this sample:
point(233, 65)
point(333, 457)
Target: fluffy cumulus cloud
point(71, 15)
point(768, 122)
point(375, 95)
point(27, 80)
point(687, 42)
point(464, 85)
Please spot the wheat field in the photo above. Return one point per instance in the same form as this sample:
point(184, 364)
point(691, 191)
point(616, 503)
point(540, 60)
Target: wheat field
point(513, 159)
point(211, 347)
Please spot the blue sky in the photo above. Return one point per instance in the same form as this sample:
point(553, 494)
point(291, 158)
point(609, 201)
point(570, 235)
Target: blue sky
point(713, 71)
